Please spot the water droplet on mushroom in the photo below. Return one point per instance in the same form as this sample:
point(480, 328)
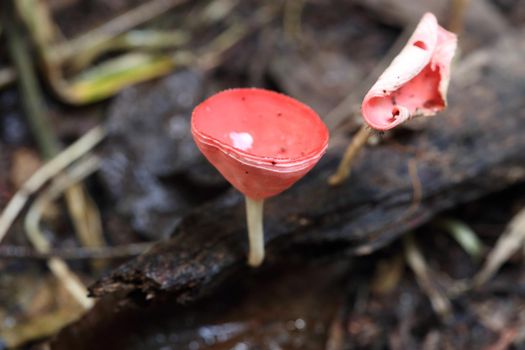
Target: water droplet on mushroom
point(241, 140)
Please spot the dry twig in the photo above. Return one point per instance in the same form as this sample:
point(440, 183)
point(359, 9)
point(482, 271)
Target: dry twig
point(7, 76)
point(508, 244)
point(115, 27)
point(32, 226)
point(47, 172)
point(416, 261)
point(345, 166)
point(292, 23)
point(76, 253)
point(457, 15)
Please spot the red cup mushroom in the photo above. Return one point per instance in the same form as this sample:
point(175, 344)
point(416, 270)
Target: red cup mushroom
point(262, 142)
point(415, 84)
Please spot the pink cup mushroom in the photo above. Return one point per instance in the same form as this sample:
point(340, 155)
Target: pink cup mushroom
point(415, 84)
point(262, 142)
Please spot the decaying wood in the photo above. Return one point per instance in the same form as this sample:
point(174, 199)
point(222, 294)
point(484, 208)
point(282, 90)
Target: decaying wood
point(474, 148)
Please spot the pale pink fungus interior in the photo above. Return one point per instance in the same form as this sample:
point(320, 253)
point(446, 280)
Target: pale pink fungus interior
point(261, 123)
point(421, 91)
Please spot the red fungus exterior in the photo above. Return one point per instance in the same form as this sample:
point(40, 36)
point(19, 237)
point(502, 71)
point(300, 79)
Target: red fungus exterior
point(261, 141)
point(416, 81)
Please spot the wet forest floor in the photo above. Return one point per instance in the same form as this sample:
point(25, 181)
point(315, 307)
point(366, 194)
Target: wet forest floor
point(390, 260)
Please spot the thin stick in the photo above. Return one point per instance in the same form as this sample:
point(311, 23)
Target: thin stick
point(116, 26)
point(7, 76)
point(33, 104)
point(336, 332)
point(45, 173)
point(254, 217)
point(75, 253)
point(440, 303)
point(211, 56)
point(77, 198)
point(85, 218)
point(71, 282)
point(351, 152)
point(61, 183)
point(32, 226)
point(509, 242)
point(457, 15)
point(292, 24)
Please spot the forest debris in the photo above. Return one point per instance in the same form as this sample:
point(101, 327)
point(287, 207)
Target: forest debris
point(330, 60)
point(439, 300)
point(7, 76)
point(45, 173)
point(32, 222)
point(457, 161)
point(82, 209)
point(292, 21)
point(32, 101)
point(223, 42)
point(143, 40)
point(76, 253)
point(37, 306)
point(350, 105)
point(507, 245)
point(40, 326)
point(336, 333)
point(502, 316)
point(118, 25)
point(464, 235)
point(505, 340)
point(85, 216)
point(215, 11)
point(456, 15)
point(388, 274)
point(24, 163)
point(358, 142)
point(112, 75)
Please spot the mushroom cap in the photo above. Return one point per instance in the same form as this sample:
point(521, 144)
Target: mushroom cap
point(261, 141)
point(416, 82)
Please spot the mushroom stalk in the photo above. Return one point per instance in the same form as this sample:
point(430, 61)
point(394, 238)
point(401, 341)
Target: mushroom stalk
point(254, 217)
point(358, 141)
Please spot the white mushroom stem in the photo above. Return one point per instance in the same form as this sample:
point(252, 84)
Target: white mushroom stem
point(254, 217)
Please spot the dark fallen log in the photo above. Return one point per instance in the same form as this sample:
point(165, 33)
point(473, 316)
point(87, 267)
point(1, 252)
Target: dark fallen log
point(476, 147)
point(239, 312)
